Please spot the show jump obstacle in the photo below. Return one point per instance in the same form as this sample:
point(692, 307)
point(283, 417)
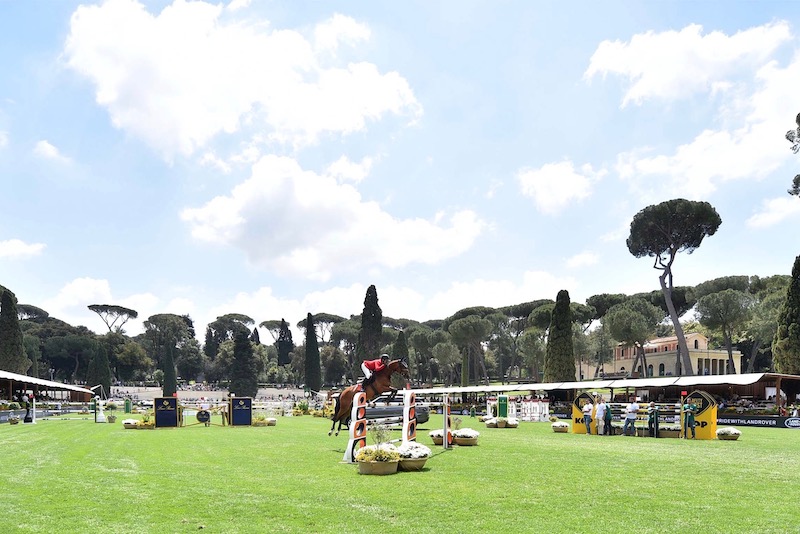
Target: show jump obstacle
point(358, 422)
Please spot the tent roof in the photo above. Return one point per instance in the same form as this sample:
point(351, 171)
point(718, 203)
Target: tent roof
point(43, 384)
point(655, 381)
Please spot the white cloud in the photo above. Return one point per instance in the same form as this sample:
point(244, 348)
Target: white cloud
point(236, 5)
point(773, 211)
point(298, 222)
point(17, 249)
point(398, 302)
point(494, 186)
point(348, 171)
point(3, 139)
point(583, 259)
point(211, 160)
point(749, 148)
point(45, 150)
point(72, 302)
point(181, 77)
point(675, 64)
point(339, 29)
point(554, 186)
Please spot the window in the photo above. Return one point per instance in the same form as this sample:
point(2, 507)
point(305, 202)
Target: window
point(696, 344)
point(650, 370)
point(661, 369)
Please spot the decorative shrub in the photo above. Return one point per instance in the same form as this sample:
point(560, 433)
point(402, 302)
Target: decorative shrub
point(728, 431)
point(385, 452)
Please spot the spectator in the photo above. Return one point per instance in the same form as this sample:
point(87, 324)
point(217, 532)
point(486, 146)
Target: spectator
point(689, 410)
point(600, 415)
point(652, 420)
point(587, 416)
point(630, 417)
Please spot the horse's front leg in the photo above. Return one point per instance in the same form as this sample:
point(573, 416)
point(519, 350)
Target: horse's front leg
point(392, 396)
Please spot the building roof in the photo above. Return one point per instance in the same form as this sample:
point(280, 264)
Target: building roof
point(672, 339)
point(43, 384)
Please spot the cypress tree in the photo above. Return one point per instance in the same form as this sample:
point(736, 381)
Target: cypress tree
point(170, 375)
point(255, 337)
point(12, 349)
point(400, 347)
point(313, 368)
point(369, 337)
point(244, 370)
point(559, 359)
point(786, 345)
point(99, 370)
point(285, 344)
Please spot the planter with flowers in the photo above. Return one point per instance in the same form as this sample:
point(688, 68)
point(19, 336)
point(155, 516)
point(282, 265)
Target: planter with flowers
point(111, 407)
point(466, 437)
point(13, 419)
point(130, 423)
point(669, 431)
point(512, 422)
point(437, 436)
point(728, 433)
point(560, 427)
point(413, 456)
point(381, 458)
point(501, 422)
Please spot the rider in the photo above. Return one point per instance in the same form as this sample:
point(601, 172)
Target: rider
point(371, 367)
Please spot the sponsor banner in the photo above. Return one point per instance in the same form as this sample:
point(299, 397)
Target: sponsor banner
point(241, 411)
point(166, 409)
point(759, 420)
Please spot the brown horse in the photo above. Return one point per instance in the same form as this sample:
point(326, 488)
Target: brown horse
point(381, 384)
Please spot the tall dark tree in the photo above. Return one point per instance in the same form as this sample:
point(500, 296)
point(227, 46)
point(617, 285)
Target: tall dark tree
point(313, 367)
point(110, 314)
point(12, 349)
point(469, 333)
point(99, 371)
point(663, 230)
point(244, 369)
point(285, 345)
point(726, 311)
point(559, 358)
point(369, 337)
point(254, 337)
point(400, 347)
point(633, 323)
point(223, 328)
point(786, 345)
point(166, 332)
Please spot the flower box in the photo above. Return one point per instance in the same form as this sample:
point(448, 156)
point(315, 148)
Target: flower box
point(378, 468)
point(561, 429)
point(437, 440)
point(465, 442)
point(411, 464)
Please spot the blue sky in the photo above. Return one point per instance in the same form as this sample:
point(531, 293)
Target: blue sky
point(276, 158)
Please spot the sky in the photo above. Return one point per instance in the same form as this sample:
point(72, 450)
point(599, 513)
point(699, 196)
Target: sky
point(275, 158)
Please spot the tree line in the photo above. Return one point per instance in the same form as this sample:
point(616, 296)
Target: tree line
point(541, 340)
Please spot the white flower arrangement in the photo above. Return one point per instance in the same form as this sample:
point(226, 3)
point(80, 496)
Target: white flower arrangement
point(670, 428)
point(513, 421)
point(412, 449)
point(728, 431)
point(486, 418)
point(560, 424)
point(466, 433)
point(439, 433)
point(130, 421)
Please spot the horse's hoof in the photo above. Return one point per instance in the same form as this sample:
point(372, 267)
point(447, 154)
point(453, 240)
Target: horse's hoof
point(329, 433)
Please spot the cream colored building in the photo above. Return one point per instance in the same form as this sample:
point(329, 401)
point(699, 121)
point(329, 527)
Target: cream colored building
point(662, 354)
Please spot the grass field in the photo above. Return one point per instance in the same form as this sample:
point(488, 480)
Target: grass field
point(78, 476)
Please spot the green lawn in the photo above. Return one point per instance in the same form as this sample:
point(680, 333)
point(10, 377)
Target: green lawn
point(78, 476)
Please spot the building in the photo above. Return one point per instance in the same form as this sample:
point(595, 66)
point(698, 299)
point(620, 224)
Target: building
point(661, 355)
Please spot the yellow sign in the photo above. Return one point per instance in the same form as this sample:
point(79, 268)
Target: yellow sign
point(705, 418)
point(578, 424)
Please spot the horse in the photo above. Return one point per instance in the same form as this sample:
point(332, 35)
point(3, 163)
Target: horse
point(381, 383)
